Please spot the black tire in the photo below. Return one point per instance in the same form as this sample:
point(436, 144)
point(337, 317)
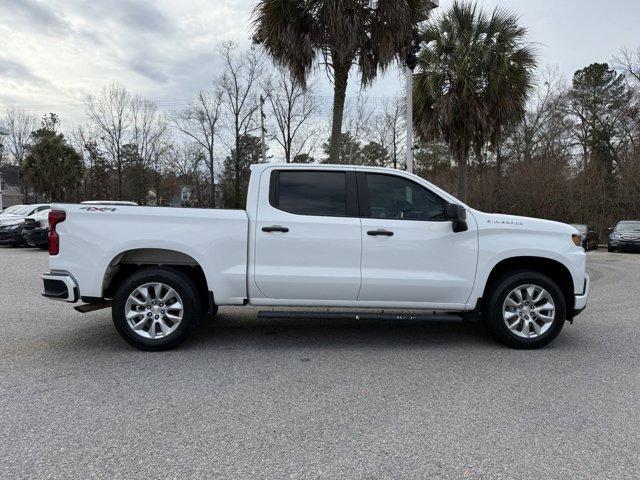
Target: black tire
point(609, 249)
point(175, 279)
point(493, 309)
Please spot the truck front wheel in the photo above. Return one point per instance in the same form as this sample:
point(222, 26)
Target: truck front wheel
point(525, 309)
point(156, 308)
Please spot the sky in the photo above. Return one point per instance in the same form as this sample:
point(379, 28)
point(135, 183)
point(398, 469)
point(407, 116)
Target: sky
point(53, 54)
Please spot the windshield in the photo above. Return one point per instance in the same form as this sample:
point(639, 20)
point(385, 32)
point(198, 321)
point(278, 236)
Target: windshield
point(23, 210)
point(628, 227)
point(12, 209)
point(580, 228)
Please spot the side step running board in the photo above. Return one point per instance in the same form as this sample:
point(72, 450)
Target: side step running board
point(442, 317)
point(91, 307)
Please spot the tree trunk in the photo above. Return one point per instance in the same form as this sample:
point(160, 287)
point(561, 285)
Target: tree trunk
point(499, 167)
point(462, 175)
point(236, 186)
point(120, 180)
point(341, 74)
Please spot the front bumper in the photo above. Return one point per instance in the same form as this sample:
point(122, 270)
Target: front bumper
point(580, 301)
point(625, 244)
point(60, 286)
point(37, 237)
point(11, 237)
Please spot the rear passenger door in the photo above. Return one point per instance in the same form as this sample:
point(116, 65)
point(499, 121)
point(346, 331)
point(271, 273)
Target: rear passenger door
point(308, 236)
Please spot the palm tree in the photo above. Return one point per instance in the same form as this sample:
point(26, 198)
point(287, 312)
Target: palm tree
point(337, 33)
point(474, 75)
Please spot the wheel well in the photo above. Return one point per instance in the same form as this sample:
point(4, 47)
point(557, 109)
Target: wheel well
point(129, 262)
point(551, 268)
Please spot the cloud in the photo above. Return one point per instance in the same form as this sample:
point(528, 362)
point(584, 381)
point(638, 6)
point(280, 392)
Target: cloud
point(127, 16)
point(18, 71)
point(37, 15)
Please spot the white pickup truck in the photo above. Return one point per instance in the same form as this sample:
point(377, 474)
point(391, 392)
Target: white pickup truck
point(359, 241)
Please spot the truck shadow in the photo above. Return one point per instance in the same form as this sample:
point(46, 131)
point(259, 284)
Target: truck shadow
point(229, 331)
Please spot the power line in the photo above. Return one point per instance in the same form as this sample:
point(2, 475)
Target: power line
point(183, 102)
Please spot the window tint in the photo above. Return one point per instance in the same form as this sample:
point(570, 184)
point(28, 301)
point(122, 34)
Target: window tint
point(398, 198)
point(312, 193)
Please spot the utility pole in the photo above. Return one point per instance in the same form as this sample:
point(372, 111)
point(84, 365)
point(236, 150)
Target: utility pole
point(409, 119)
point(262, 129)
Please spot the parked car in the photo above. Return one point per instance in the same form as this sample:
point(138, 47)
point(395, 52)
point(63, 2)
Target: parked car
point(319, 235)
point(625, 236)
point(35, 231)
point(589, 236)
point(11, 232)
point(23, 212)
point(110, 202)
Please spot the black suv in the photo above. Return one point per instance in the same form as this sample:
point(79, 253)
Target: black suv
point(625, 236)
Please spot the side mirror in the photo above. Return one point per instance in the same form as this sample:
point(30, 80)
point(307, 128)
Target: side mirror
point(609, 230)
point(458, 216)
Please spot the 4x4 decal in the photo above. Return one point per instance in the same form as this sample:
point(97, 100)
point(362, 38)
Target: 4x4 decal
point(99, 209)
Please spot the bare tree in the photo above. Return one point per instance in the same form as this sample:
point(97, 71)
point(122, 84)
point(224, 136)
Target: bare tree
point(110, 113)
point(199, 121)
point(243, 70)
point(19, 125)
point(358, 117)
point(543, 130)
point(149, 137)
point(130, 130)
point(629, 62)
point(186, 162)
point(292, 106)
point(388, 128)
point(149, 130)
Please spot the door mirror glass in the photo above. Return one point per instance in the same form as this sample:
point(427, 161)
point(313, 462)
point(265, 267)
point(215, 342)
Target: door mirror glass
point(458, 215)
point(456, 212)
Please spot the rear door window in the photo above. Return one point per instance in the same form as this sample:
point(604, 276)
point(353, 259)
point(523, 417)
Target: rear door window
point(310, 192)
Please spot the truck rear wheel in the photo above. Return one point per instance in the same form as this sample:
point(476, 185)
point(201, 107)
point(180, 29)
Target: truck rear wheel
point(156, 308)
point(525, 309)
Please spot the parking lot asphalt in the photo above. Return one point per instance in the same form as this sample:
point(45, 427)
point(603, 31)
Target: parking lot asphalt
point(248, 398)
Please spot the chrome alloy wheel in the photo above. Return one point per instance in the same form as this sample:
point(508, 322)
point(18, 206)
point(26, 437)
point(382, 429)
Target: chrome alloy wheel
point(154, 310)
point(528, 311)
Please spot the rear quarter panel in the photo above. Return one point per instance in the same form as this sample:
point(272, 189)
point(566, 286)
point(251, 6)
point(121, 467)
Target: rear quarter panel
point(92, 237)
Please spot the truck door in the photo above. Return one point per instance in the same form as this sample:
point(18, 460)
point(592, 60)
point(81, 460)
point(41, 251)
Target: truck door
point(308, 236)
point(409, 252)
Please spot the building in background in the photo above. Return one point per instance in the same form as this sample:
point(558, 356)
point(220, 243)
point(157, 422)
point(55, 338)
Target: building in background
point(10, 186)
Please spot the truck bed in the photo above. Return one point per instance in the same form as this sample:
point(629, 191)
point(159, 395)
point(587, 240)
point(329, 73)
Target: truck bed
point(94, 239)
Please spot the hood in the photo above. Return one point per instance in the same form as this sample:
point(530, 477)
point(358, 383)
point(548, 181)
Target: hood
point(514, 222)
point(12, 223)
point(11, 219)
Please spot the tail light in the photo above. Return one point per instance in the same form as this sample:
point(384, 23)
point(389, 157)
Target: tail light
point(55, 217)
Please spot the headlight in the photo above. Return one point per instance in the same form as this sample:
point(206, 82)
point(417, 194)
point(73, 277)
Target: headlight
point(13, 227)
point(615, 235)
point(577, 239)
